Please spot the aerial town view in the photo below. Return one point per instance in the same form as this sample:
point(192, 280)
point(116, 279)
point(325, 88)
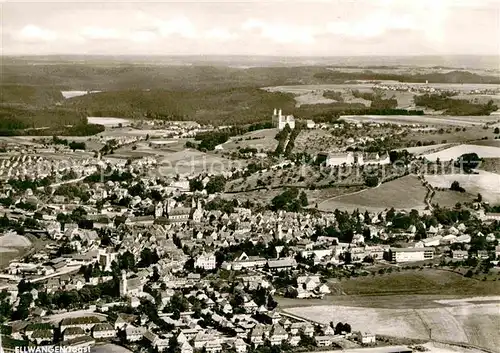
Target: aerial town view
point(250, 177)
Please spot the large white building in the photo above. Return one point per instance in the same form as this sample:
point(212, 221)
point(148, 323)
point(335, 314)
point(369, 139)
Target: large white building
point(411, 254)
point(352, 158)
point(206, 261)
point(280, 121)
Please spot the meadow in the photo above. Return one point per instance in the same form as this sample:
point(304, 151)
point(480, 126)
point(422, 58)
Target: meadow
point(422, 119)
point(403, 193)
point(456, 151)
point(485, 183)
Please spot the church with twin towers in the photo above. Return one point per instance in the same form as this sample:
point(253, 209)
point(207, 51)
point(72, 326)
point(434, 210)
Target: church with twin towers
point(280, 121)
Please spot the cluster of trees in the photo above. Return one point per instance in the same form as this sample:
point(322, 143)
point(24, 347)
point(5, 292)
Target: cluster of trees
point(371, 181)
point(290, 200)
point(25, 184)
point(400, 156)
point(208, 140)
point(71, 191)
point(216, 184)
point(291, 140)
point(107, 175)
point(468, 161)
point(43, 121)
point(282, 138)
point(341, 327)
point(73, 145)
point(219, 204)
point(337, 96)
point(455, 186)
point(454, 106)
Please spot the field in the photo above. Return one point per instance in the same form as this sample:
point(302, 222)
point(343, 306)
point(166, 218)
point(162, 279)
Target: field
point(480, 98)
point(315, 97)
point(485, 183)
point(450, 198)
point(407, 304)
point(456, 151)
point(491, 165)
point(466, 121)
point(425, 149)
point(425, 282)
point(192, 161)
point(110, 121)
point(474, 135)
point(14, 241)
point(313, 196)
point(260, 139)
point(403, 193)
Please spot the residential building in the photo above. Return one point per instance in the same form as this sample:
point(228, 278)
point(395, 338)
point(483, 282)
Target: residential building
point(206, 261)
point(410, 254)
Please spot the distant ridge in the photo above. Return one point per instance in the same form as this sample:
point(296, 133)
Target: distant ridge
point(489, 62)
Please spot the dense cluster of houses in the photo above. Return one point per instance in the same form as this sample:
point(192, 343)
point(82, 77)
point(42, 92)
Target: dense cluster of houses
point(191, 244)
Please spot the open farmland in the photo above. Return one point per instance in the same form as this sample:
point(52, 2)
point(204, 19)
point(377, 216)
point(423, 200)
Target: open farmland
point(313, 196)
point(479, 98)
point(450, 198)
point(315, 97)
point(485, 183)
point(425, 282)
point(456, 151)
point(260, 139)
point(425, 149)
point(459, 320)
point(192, 161)
point(108, 121)
point(491, 165)
point(403, 193)
point(422, 119)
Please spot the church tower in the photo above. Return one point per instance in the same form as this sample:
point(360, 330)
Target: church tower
point(279, 232)
point(123, 284)
point(159, 209)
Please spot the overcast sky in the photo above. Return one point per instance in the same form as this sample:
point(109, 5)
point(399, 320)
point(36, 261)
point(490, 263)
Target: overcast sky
point(321, 27)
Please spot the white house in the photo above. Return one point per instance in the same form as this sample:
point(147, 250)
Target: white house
point(366, 338)
point(102, 331)
point(134, 334)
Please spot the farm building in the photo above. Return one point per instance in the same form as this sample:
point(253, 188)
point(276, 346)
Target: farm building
point(350, 158)
point(410, 254)
point(459, 254)
point(334, 159)
point(366, 338)
point(375, 158)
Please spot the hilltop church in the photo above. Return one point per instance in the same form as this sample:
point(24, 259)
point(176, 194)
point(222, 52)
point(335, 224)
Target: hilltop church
point(280, 121)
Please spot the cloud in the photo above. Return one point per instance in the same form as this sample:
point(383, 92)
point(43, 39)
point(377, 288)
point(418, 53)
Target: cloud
point(372, 26)
point(100, 33)
point(34, 33)
point(220, 34)
point(143, 36)
point(281, 33)
point(181, 26)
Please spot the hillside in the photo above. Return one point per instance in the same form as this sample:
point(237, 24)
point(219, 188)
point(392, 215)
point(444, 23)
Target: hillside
point(216, 106)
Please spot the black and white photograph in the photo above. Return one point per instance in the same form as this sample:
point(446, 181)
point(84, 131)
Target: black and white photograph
point(252, 176)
